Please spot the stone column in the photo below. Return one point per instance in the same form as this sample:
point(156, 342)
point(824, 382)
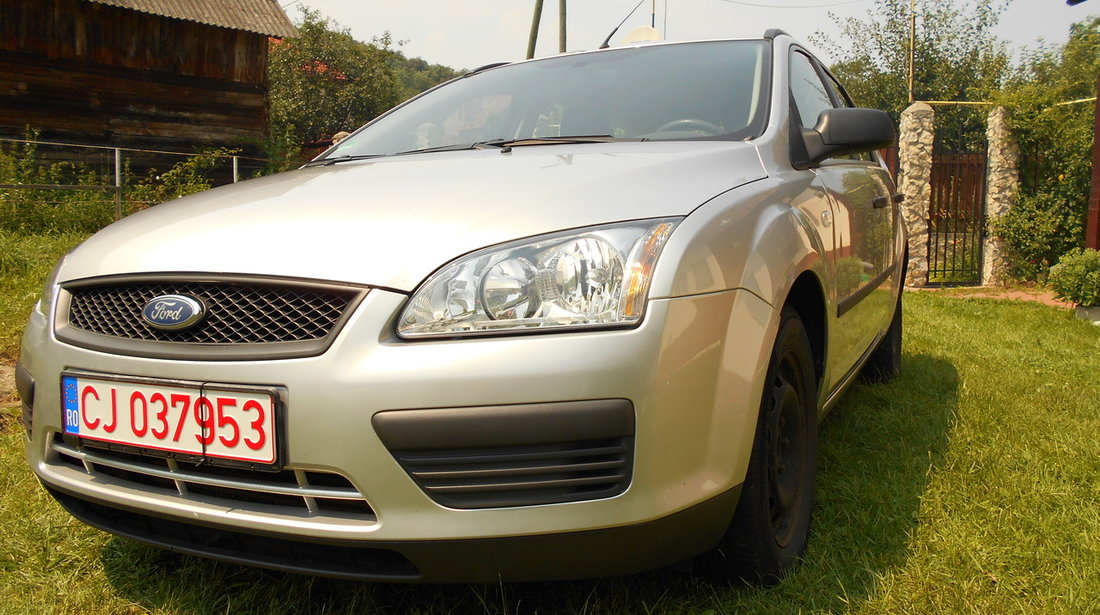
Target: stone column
point(915, 182)
point(1002, 182)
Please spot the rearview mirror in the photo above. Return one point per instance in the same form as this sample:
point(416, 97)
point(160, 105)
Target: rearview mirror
point(846, 131)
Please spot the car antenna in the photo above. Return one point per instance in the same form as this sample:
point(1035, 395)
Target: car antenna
point(607, 41)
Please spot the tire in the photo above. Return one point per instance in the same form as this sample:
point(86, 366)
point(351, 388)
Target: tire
point(884, 364)
point(770, 525)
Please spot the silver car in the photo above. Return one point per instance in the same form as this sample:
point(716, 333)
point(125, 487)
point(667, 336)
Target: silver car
point(570, 317)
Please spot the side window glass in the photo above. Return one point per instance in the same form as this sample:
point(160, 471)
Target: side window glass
point(838, 95)
point(807, 90)
point(834, 89)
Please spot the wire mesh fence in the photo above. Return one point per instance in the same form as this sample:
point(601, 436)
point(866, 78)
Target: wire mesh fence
point(53, 186)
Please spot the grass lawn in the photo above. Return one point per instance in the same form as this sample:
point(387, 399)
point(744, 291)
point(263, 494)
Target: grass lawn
point(969, 485)
point(25, 261)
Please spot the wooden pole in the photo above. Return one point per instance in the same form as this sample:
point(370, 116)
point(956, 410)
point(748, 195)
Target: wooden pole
point(531, 40)
point(561, 26)
point(912, 44)
point(1092, 226)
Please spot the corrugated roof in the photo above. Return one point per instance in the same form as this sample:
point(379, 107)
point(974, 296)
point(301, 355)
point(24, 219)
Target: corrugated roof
point(259, 16)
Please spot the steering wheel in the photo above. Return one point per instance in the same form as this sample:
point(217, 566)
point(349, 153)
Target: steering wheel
point(689, 124)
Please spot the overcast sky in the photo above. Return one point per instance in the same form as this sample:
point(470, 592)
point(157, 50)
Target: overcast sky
point(470, 33)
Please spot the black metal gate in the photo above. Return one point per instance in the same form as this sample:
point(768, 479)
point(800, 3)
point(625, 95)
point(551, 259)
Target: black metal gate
point(956, 220)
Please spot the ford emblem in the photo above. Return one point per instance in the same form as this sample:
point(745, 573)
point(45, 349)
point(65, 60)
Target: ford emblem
point(173, 312)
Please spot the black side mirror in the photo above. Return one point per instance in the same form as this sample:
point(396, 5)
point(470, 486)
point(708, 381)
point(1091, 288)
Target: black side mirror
point(846, 131)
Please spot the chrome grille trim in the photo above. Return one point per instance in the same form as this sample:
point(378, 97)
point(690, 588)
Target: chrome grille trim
point(313, 498)
point(248, 317)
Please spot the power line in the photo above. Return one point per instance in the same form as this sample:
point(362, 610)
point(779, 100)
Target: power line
point(794, 6)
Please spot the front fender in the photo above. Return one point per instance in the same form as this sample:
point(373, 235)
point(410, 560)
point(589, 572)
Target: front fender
point(759, 237)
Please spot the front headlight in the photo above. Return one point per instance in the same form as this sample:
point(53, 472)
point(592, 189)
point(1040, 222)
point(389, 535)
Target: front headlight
point(594, 277)
point(45, 302)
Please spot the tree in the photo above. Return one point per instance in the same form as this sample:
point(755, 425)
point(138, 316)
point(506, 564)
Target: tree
point(324, 81)
point(415, 75)
point(1055, 135)
point(957, 58)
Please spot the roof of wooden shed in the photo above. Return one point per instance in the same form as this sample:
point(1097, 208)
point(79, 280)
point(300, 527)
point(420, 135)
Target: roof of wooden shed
point(259, 16)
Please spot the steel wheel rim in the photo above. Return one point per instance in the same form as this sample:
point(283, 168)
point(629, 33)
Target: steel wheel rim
point(787, 454)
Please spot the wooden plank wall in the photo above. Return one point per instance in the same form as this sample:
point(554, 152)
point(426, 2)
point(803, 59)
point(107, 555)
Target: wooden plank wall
point(103, 75)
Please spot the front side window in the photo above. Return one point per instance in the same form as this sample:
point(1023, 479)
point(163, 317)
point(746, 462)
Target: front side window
point(808, 92)
point(712, 90)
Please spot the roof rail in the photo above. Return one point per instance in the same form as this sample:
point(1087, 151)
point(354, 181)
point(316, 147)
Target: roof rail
point(771, 33)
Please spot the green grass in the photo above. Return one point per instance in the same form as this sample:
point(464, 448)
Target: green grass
point(25, 261)
point(969, 485)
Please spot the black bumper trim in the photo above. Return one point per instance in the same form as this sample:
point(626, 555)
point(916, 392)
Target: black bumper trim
point(514, 455)
point(549, 557)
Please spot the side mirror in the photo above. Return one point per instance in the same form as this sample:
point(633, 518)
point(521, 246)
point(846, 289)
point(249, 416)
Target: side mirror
point(846, 131)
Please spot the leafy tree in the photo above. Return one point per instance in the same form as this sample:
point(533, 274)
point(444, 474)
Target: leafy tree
point(323, 82)
point(957, 58)
point(415, 75)
point(1056, 141)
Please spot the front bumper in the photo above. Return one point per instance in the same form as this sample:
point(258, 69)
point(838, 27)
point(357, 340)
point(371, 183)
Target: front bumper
point(692, 373)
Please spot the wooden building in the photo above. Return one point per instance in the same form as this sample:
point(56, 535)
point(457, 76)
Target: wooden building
point(164, 74)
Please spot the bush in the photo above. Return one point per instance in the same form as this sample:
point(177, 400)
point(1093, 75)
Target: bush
point(1076, 277)
point(188, 176)
point(1056, 142)
point(32, 210)
point(1037, 231)
point(63, 210)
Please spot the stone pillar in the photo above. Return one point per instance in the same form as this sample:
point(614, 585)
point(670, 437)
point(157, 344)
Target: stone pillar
point(915, 182)
point(1002, 182)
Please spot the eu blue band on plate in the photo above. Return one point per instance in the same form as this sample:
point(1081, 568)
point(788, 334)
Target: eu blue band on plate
point(70, 406)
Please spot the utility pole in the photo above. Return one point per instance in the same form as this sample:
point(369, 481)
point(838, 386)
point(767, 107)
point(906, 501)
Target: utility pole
point(912, 43)
point(1092, 224)
point(561, 26)
point(534, 30)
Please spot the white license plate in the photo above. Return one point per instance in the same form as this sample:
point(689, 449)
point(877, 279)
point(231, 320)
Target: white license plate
point(210, 420)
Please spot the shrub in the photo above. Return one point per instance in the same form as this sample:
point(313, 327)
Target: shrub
point(1037, 231)
point(1076, 277)
point(50, 211)
point(188, 176)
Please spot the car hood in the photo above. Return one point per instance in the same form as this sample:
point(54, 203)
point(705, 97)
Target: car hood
point(390, 222)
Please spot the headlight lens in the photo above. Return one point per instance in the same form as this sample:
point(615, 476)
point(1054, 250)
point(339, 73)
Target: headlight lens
point(45, 302)
point(593, 277)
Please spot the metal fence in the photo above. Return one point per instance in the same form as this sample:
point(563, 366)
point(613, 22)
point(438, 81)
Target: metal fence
point(956, 220)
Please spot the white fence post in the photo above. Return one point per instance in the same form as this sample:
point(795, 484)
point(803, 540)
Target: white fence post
point(118, 184)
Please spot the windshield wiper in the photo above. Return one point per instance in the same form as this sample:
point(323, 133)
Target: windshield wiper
point(564, 140)
point(346, 158)
point(455, 147)
point(505, 144)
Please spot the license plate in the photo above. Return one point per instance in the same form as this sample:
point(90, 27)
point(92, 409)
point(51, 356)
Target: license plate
point(210, 420)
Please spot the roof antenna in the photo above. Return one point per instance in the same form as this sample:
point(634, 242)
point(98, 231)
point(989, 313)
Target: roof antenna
point(607, 41)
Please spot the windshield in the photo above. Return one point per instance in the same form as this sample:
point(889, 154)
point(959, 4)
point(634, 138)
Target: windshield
point(660, 92)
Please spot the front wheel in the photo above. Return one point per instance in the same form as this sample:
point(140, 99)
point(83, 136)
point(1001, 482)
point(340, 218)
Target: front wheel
point(769, 528)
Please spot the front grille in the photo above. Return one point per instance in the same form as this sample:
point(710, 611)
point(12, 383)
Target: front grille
point(522, 475)
point(291, 492)
point(245, 318)
point(236, 313)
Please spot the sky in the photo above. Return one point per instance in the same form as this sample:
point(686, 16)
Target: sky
point(471, 33)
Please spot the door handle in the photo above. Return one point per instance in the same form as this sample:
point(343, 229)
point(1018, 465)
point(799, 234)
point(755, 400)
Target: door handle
point(881, 201)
